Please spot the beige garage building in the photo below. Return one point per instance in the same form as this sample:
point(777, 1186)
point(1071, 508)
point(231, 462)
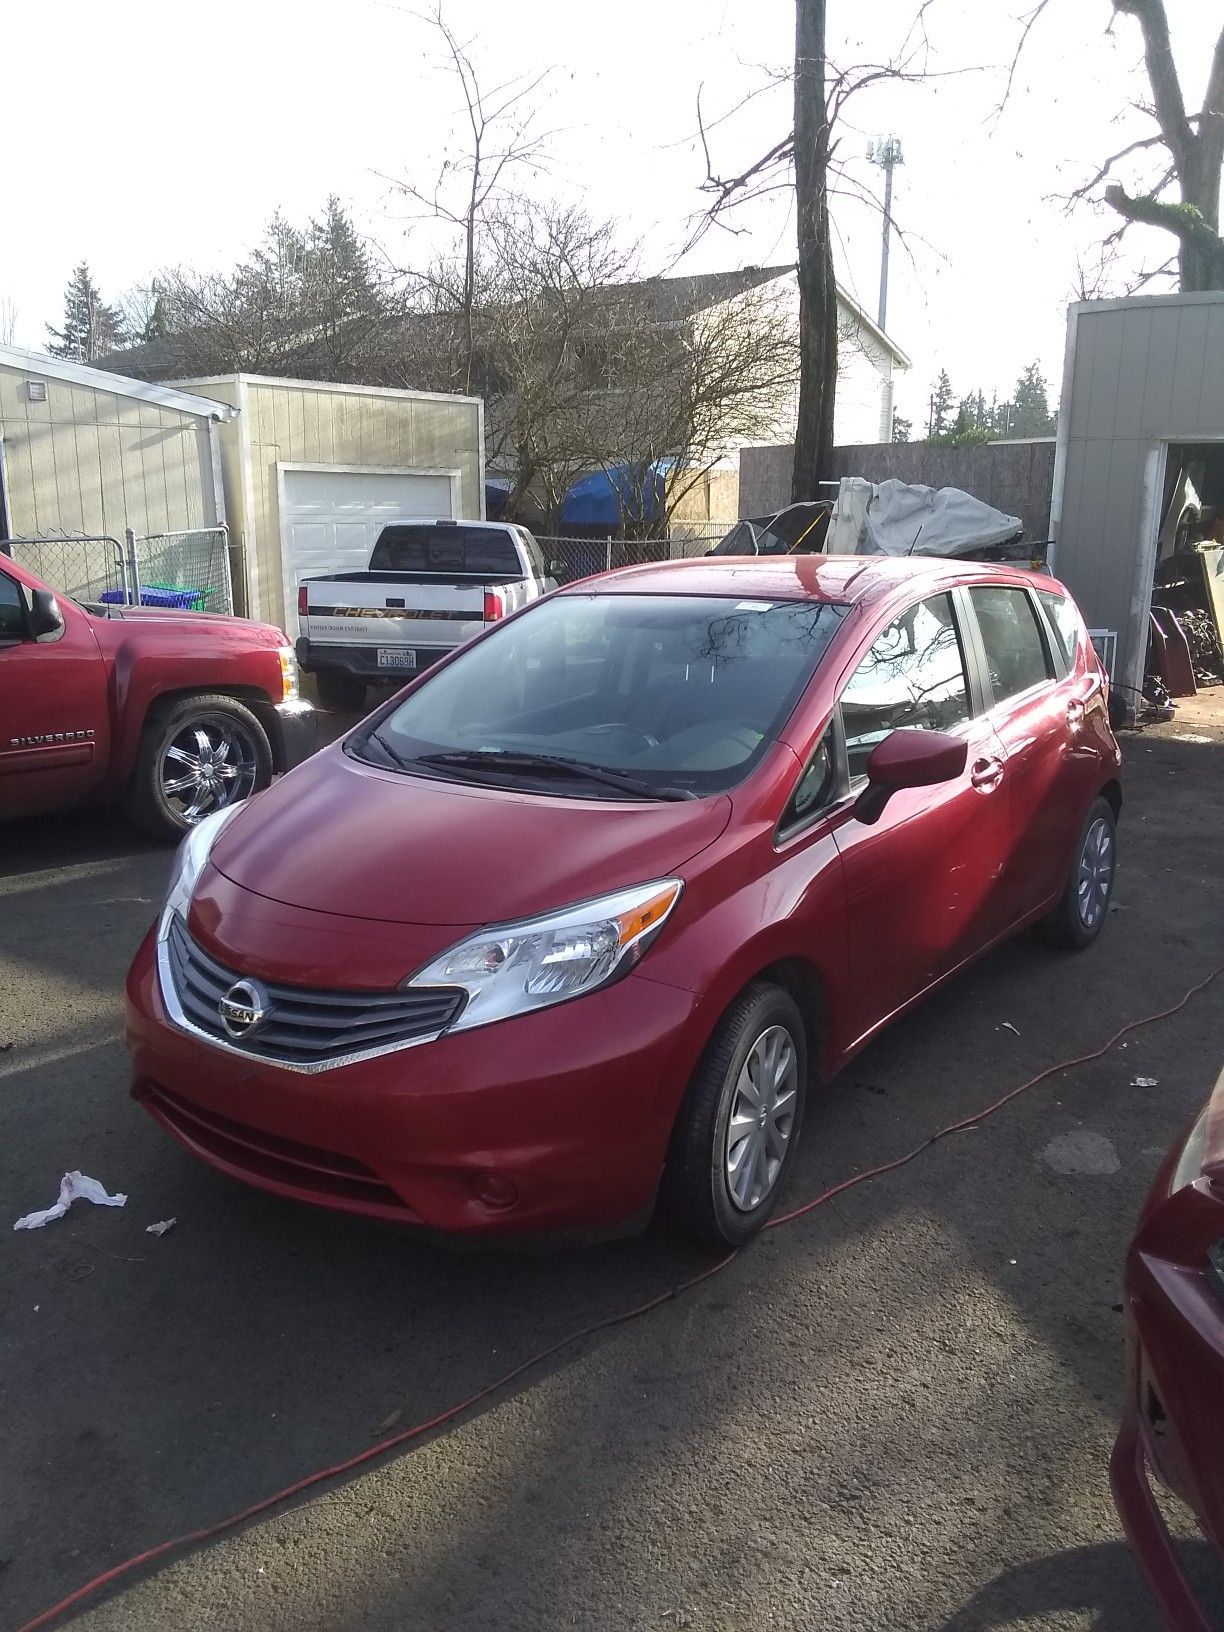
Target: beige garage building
point(312, 471)
point(303, 473)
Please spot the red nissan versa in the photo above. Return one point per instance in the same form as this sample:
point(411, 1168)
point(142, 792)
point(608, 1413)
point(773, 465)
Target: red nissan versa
point(561, 928)
point(1175, 1382)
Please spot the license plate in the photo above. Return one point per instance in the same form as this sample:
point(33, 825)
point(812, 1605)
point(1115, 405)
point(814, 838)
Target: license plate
point(396, 657)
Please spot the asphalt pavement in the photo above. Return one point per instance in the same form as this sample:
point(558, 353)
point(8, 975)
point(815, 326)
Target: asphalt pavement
point(894, 1414)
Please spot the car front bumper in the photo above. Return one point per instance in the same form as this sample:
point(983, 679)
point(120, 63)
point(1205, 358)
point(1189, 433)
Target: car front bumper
point(567, 1111)
point(296, 733)
point(1172, 1426)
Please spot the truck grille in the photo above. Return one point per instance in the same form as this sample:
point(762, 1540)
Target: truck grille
point(306, 1029)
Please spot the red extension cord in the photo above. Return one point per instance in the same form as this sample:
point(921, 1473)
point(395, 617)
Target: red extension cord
point(385, 1445)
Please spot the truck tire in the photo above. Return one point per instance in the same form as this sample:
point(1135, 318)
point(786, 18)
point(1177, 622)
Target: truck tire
point(196, 756)
point(344, 693)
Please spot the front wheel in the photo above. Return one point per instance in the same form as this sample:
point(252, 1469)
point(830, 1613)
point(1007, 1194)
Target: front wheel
point(736, 1136)
point(1080, 915)
point(196, 757)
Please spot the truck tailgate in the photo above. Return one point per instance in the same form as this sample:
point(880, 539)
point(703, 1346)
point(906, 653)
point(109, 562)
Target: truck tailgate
point(367, 611)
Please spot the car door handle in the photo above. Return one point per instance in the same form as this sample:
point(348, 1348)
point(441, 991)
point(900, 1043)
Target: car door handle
point(986, 774)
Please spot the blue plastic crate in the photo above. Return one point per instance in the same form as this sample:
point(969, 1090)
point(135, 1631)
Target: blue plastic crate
point(156, 595)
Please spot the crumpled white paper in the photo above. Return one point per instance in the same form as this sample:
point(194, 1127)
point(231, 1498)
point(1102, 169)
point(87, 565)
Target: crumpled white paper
point(74, 1186)
point(161, 1227)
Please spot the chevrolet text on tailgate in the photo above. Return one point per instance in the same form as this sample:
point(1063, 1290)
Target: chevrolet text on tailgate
point(175, 715)
point(430, 586)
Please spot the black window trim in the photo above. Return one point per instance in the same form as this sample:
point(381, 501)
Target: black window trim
point(785, 832)
point(1053, 678)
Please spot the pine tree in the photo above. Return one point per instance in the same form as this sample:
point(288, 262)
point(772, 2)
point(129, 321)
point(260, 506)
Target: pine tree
point(92, 329)
point(941, 405)
point(340, 263)
point(902, 428)
point(1031, 414)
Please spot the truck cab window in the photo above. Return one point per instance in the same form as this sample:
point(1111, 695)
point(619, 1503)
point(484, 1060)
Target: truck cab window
point(12, 610)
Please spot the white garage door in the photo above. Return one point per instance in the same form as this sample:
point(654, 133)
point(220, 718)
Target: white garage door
point(331, 518)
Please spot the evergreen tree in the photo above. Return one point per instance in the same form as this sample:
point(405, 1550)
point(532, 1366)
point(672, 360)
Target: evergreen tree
point(1031, 414)
point(941, 406)
point(92, 329)
point(340, 263)
point(902, 428)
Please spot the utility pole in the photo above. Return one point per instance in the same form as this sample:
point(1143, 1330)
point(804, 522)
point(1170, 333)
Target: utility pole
point(886, 152)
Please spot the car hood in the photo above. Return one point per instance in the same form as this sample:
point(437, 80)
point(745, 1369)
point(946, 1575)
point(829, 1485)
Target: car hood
point(197, 625)
point(340, 836)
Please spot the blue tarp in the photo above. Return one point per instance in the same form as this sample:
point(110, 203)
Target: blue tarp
point(621, 495)
point(497, 491)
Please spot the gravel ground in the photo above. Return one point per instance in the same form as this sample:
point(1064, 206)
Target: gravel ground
point(893, 1415)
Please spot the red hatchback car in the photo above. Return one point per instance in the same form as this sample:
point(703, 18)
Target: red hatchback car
point(1175, 1374)
point(563, 928)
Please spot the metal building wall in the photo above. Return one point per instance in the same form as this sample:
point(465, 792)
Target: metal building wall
point(1140, 374)
point(89, 460)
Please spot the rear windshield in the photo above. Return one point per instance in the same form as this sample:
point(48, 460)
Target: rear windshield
point(429, 548)
point(680, 692)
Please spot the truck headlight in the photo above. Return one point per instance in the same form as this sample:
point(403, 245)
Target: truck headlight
point(289, 674)
point(189, 860)
point(515, 968)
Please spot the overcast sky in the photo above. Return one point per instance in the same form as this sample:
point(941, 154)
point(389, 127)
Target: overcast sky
point(141, 134)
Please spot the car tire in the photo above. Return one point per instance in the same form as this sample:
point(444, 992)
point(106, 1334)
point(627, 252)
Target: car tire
point(343, 693)
point(172, 752)
point(708, 1190)
point(1080, 915)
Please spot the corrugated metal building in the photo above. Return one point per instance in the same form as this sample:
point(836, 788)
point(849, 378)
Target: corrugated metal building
point(1142, 411)
point(83, 451)
point(303, 472)
point(312, 471)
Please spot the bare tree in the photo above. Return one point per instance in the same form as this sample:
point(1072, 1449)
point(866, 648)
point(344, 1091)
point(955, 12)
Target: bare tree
point(501, 139)
point(8, 321)
point(1176, 168)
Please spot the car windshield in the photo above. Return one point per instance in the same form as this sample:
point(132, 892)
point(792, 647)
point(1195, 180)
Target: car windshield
point(676, 695)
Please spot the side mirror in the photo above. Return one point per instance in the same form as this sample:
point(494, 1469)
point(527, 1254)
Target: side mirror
point(556, 568)
point(909, 759)
point(45, 615)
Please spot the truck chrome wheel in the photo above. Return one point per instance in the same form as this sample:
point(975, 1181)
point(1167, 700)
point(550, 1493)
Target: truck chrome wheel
point(212, 762)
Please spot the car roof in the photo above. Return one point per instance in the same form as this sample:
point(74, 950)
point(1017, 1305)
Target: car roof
point(848, 579)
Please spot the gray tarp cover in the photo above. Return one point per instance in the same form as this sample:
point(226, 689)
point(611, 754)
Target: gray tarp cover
point(904, 519)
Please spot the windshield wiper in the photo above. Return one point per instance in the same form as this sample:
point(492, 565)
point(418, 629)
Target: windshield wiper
point(510, 759)
point(392, 754)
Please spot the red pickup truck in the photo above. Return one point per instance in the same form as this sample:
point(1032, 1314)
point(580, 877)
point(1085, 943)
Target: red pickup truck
point(173, 714)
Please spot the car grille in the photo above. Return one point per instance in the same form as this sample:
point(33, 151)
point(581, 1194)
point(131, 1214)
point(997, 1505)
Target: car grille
point(306, 1028)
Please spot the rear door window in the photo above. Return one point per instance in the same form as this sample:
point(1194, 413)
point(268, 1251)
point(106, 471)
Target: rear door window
point(1012, 640)
point(913, 677)
point(1065, 621)
point(488, 551)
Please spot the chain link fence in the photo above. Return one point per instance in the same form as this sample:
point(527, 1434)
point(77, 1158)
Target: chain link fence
point(190, 570)
point(582, 557)
point(86, 567)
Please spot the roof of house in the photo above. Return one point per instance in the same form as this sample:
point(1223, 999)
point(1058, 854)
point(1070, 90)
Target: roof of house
point(667, 300)
point(42, 366)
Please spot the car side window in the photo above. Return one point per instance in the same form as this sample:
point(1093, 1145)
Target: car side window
point(816, 788)
point(1015, 648)
point(1065, 621)
point(913, 677)
point(12, 610)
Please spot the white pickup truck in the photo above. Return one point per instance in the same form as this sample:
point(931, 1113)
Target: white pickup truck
point(430, 586)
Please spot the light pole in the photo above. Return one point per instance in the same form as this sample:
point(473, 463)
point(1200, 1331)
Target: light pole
point(886, 152)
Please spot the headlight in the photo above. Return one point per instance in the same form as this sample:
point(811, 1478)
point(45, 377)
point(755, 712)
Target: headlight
point(289, 674)
point(516, 968)
point(1190, 1162)
point(189, 864)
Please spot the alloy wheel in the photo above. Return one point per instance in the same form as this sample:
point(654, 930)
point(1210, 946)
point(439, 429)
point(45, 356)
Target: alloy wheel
point(762, 1118)
point(208, 765)
point(1094, 882)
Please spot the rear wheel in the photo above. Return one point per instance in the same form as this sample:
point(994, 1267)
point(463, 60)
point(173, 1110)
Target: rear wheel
point(197, 756)
point(736, 1136)
point(1080, 915)
point(345, 693)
